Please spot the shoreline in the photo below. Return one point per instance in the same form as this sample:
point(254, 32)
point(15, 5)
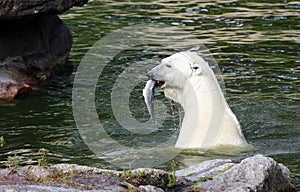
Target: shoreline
point(256, 173)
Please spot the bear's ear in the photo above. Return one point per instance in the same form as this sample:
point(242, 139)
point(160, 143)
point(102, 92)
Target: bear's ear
point(196, 69)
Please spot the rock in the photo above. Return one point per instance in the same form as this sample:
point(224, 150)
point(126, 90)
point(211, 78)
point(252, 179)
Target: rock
point(206, 169)
point(31, 49)
point(137, 177)
point(38, 172)
point(257, 174)
point(12, 9)
point(147, 176)
point(36, 188)
point(53, 178)
point(254, 174)
point(149, 188)
point(100, 182)
point(33, 43)
point(13, 83)
point(75, 169)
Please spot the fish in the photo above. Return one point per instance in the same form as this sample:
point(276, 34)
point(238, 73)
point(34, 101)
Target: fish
point(148, 93)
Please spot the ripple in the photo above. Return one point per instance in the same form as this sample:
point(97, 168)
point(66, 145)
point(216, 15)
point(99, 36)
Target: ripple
point(255, 43)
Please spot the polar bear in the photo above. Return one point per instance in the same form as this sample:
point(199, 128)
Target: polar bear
point(208, 121)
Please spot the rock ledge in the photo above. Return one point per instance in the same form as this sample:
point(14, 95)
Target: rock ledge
point(257, 174)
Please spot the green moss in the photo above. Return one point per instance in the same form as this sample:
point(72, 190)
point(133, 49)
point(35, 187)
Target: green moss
point(196, 188)
point(189, 175)
point(224, 170)
point(204, 179)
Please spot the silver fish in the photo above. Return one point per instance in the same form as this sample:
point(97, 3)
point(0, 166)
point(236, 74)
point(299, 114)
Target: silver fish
point(148, 92)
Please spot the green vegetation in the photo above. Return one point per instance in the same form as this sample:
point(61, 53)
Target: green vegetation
point(13, 161)
point(2, 141)
point(191, 174)
point(127, 175)
point(43, 159)
point(196, 188)
point(157, 178)
point(172, 176)
point(224, 170)
point(204, 179)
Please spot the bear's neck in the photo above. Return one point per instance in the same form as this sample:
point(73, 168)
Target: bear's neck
point(207, 116)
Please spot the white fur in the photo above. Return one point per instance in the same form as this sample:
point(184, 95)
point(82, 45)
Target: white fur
point(208, 120)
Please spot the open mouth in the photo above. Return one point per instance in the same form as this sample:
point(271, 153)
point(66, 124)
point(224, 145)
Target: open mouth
point(159, 84)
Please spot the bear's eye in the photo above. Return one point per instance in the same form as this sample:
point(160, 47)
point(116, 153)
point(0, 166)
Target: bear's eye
point(168, 65)
point(195, 67)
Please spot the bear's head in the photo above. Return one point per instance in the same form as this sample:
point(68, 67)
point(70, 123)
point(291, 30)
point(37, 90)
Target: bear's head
point(176, 72)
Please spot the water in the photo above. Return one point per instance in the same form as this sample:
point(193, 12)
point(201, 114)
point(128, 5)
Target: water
point(256, 45)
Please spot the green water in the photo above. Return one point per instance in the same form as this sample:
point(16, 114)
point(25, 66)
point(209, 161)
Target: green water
point(256, 45)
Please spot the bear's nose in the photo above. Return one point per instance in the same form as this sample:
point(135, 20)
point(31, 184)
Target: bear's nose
point(150, 75)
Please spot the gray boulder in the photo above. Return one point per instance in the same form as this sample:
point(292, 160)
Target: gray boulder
point(149, 188)
point(257, 174)
point(207, 169)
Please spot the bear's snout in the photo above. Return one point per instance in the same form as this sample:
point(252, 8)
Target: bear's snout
point(155, 73)
point(155, 76)
point(150, 75)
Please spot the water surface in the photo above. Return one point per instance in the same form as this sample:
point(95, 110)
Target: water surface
point(256, 45)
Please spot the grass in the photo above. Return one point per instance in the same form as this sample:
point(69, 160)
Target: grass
point(13, 161)
point(2, 142)
point(172, 176)
point(43, 157)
